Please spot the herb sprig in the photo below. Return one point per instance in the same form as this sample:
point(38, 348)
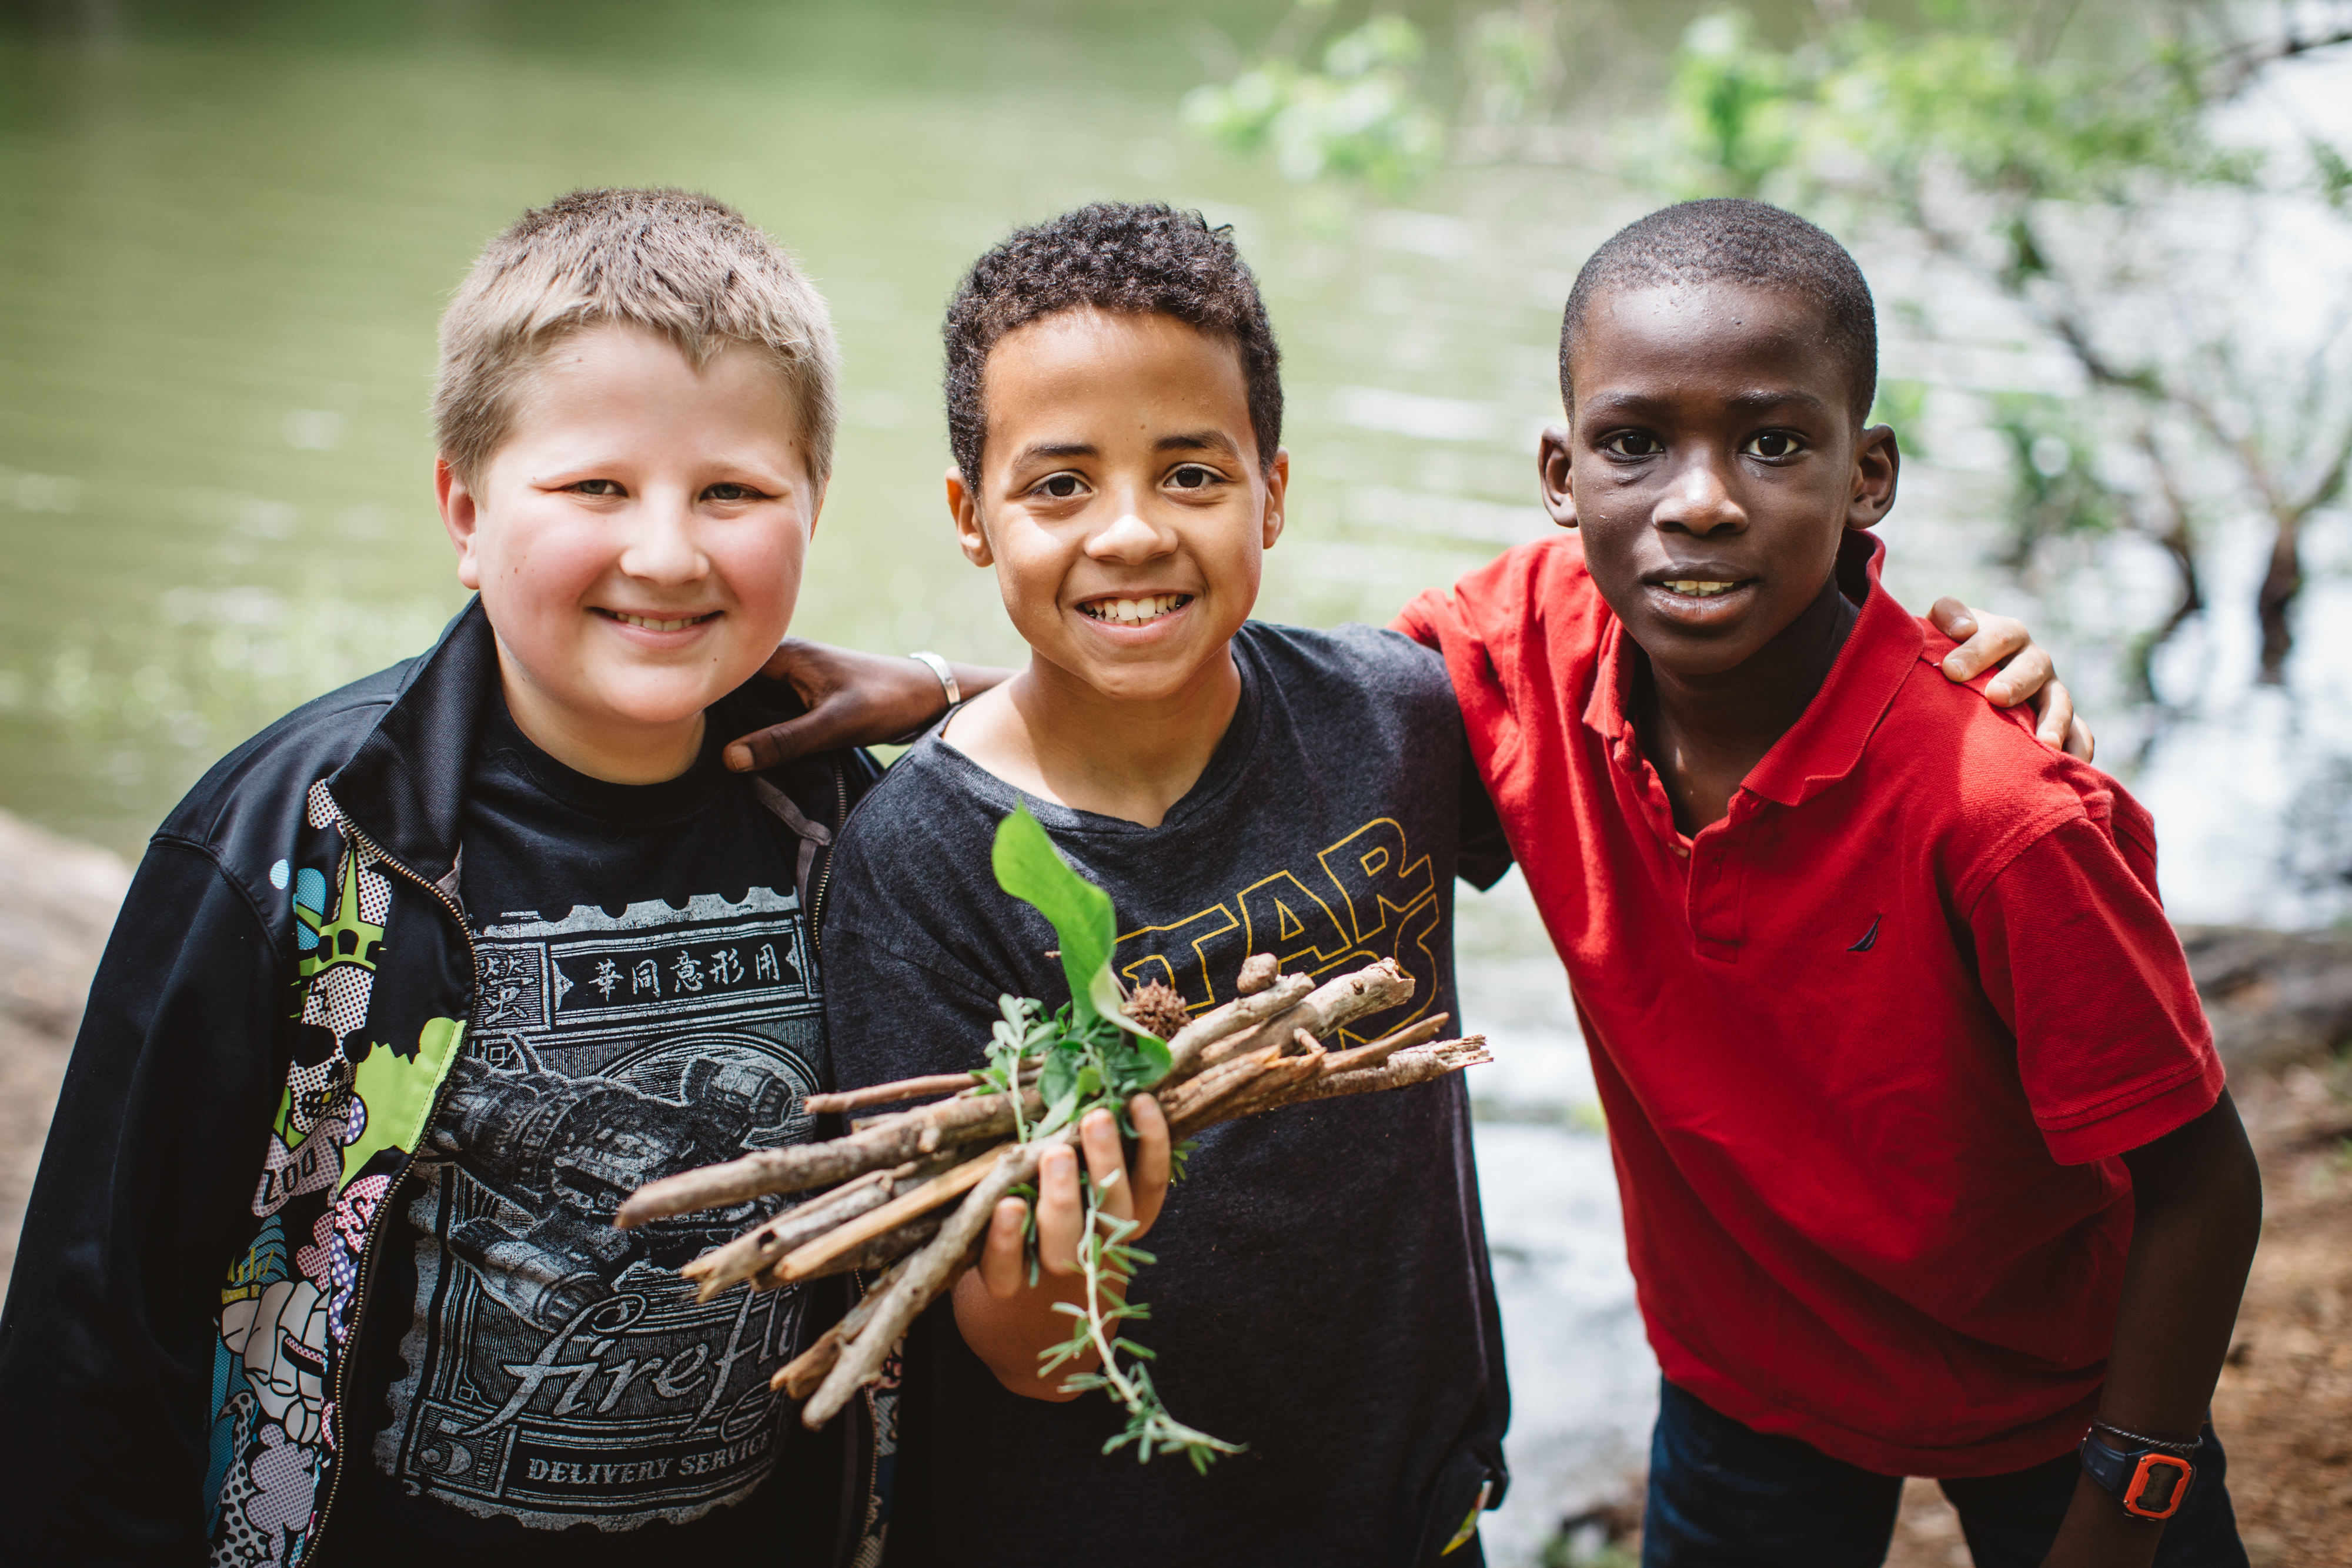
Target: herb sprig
point(1105, 1255)
point(1089, 1054)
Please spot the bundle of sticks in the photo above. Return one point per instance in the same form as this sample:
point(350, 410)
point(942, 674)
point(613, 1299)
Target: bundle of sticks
point(891, 1182)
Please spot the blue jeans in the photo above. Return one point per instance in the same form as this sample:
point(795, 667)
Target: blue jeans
point(1723, 1495)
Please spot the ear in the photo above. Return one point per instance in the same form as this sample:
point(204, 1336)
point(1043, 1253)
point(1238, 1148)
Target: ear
point(1877, 462)
point(1555, 469)
point(461, 515)
point(963, 505)
point(816, 494)
point(1277, 487)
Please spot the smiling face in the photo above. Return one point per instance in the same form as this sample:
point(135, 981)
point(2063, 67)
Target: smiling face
point(637, 542)
point(1712, 464)
point(1121, 500)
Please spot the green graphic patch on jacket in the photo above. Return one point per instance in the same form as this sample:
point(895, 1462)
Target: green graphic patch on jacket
point(353, 1109)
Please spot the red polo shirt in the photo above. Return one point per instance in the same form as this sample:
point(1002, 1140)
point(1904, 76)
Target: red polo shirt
point(1869, 1046)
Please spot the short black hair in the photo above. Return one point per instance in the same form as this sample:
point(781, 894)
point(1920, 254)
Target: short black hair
point(1727, 239)
point(1130, 257)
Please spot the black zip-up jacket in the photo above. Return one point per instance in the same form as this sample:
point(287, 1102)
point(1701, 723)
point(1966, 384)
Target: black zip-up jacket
point(265, 1046)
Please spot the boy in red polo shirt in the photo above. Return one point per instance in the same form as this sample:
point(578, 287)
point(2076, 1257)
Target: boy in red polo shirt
point(1927, 1163)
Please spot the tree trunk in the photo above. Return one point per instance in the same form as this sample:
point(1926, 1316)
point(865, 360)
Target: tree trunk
point(2281, 583)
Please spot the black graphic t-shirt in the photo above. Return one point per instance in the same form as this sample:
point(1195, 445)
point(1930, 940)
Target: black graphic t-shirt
point(1322, 1291)
point(533, 1385)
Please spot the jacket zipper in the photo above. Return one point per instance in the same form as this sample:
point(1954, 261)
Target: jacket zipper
point(824, 877)
point(873, 1503)
point(391, 1193)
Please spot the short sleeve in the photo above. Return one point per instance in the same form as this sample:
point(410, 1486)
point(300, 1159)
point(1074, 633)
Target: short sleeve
point(2076, 953)
point(1484, 851)
point(1416, 619)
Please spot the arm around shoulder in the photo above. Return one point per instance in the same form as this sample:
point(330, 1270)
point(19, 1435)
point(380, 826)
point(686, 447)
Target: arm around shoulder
point(107, 1350)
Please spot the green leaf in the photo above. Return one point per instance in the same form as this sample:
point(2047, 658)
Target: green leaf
point(1030, 869)
point(1057, 1117)
point(1109, 1002)
point(1060, 1077)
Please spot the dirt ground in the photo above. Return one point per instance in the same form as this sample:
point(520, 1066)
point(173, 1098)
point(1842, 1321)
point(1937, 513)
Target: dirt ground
point(2284, 1407)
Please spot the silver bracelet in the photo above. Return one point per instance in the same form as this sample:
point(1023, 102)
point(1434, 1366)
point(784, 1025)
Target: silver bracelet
point(938, 667)
point(2170, 1446)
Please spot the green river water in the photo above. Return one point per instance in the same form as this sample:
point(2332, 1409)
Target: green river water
point(224, 243)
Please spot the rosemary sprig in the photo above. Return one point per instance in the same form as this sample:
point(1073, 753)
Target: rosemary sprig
point(1104, 1252)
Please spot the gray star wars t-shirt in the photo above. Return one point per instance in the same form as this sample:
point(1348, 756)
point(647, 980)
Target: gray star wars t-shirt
point(1322, 1292)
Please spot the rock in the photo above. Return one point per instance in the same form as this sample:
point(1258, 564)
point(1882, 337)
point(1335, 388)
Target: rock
point(2274, 997)
point(62, 897)
point(61, 902)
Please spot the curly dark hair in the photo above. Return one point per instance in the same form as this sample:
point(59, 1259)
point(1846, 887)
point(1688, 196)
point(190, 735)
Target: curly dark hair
point(1134, 257)
point(1727, 239)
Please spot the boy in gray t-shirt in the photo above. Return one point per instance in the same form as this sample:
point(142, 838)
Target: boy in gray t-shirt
point(1322, 1292)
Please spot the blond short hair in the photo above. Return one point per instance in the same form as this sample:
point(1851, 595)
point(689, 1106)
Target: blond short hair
point(686, 266)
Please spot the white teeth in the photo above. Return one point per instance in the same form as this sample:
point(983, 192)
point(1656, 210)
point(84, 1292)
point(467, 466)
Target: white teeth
point(1698, 588)
point(1134, 611)
point(650, 624)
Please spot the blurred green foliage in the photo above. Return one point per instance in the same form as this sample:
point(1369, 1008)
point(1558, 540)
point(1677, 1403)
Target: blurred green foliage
point(1358, 117)
point(1991, 154)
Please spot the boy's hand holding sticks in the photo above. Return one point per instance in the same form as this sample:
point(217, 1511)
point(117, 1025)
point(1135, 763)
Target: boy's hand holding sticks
point(1010, 1314)
point(928, 1193)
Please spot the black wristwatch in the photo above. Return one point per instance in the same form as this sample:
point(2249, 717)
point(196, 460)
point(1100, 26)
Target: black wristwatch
point(2149, 1478)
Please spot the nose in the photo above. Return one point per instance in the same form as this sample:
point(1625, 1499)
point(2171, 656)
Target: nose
point(662, 546)
point(1700, 500)
point(1131, 537)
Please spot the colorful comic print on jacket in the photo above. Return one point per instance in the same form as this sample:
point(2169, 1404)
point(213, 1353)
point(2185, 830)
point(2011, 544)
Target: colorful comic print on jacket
point(352, 1109)
point(561, 1372)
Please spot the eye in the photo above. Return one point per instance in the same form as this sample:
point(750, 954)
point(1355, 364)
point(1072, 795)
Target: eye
point(1773, 445)
point(1063, 487)
point(596, 487)
point(1195, 477)
point(727, 490)
point(1632, 443)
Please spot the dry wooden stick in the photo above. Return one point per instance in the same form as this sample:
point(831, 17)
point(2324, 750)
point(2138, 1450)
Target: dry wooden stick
point(773, 1238)
point(811, 1257)
point(1374, 989)
point(1185, 1050)
point(1257, 1091)
point(891, 1093)
point(875, 1253)
point(1387, 1045)
point(1401, 1071)
point(892, 1142)
point(929, 1274)
point(752, 1255)
point(904, 1089)
point(1191, 1097)
point(803, 1372)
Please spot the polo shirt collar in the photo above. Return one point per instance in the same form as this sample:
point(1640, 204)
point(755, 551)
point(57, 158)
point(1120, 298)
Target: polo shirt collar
point(1826, 742)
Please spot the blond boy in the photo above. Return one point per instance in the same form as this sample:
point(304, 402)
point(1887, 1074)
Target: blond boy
point(415, 985)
